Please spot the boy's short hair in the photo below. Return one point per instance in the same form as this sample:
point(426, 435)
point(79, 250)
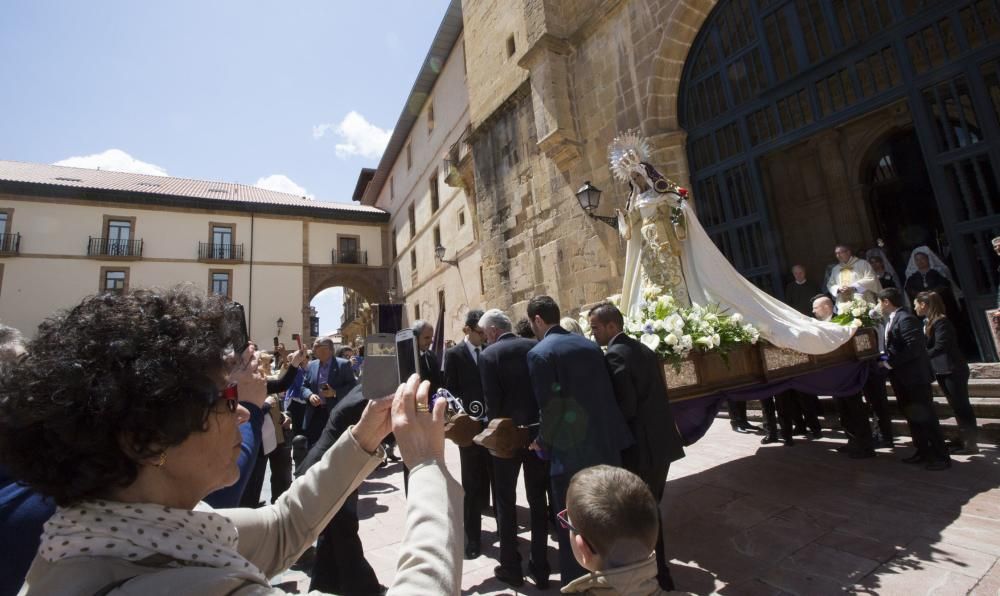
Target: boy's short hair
point(614, 511)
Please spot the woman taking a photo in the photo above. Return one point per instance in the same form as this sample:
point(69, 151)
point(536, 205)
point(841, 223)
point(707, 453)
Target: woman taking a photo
point(118, 413)
point(950, 368)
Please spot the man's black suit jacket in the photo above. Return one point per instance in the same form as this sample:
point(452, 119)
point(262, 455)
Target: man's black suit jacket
point(461, 378)
point(906, 348)
point(503, 368)
point(642, 396)
point(430, 370)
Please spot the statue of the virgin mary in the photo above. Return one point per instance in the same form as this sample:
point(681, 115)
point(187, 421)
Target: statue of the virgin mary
point(667, 247)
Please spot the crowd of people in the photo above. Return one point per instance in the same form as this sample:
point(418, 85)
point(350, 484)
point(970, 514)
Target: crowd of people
point(921, 340)
point(129, 463)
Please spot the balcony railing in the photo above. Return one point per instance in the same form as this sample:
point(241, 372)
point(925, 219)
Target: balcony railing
point(350, 257)
point(220, 252)
point(109, 247)
point(10, 244)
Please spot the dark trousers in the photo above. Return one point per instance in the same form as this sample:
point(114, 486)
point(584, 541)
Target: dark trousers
point(297, 412)
point(569, 569)
point(878, 401)
point(340, 565)
point(737, 412)
point(475, 462)
point(917, 403)
point(855, 420)
point(803, 408)
point(315, 421)
point(773, 407)
point(536, 480)
point(280, 460)
point(955, 387)
point(663, 577)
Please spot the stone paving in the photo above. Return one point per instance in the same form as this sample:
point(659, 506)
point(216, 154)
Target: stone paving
point(742, 518)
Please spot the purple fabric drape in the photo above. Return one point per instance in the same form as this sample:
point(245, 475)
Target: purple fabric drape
point(438, 346)
point(694, 417)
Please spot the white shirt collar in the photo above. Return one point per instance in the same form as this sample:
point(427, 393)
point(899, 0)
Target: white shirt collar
point(471, 348)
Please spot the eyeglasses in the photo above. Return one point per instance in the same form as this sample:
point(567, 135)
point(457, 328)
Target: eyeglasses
point(563, 517)
point(231, 396)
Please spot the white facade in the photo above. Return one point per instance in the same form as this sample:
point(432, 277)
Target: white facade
point(52, 270)
point(442, 122)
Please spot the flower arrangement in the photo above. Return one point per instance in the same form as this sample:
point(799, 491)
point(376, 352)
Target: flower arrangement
point(674, 331)
point(858, 313)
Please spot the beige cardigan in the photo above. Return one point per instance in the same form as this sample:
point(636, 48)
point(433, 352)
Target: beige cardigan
point(272, 538)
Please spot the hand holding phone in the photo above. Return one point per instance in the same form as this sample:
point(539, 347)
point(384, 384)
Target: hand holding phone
point(298, 339)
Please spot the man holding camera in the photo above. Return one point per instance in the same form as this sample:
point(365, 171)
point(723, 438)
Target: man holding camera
point(327, 378)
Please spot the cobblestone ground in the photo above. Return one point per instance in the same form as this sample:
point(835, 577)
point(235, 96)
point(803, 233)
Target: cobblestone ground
point(742, 518)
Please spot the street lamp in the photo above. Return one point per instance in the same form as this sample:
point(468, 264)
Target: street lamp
point(280, 323)
point(589, 197)
point(391, 294)
point(439, 255)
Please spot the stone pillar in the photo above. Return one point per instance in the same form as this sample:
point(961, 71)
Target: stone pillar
point(550, 98)
point(669, 155)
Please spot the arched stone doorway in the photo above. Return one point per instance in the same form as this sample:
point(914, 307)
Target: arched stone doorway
point(768, 83)
point(372, 283)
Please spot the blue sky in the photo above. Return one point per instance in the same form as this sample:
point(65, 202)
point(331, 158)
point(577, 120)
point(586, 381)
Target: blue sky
point(297, 96)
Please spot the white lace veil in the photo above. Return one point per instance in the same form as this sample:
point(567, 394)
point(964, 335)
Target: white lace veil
point(878, 252)
point(936, 264)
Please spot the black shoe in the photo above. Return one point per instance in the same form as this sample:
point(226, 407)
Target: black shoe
point(860, 453)
point(883, 444)
point(740, 429)
point(471, 552)
point(937, 465)
point(799, 431)
point(916, 458)
point(843, 449)
point(768, 439)
point(541, 577)
point(788, 442)
point(815, 434)
point(749, 427)
point(511, 578)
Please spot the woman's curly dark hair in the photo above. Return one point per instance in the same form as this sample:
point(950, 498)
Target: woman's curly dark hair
point(141, 367)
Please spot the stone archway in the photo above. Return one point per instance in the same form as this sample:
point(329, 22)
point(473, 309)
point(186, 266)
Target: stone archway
point(370, 282)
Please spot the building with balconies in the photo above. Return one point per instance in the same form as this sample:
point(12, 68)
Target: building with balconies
point(79, 232)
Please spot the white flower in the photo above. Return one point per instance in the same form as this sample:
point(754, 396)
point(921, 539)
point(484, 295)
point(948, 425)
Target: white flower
point(704, 341)
point(658, 325)
point(686, 342)
point(650, 341)
point(716, 340)
point(856, 323)
point(736, 317)
point(857, 312)
point(671, 339)
point(633, 327)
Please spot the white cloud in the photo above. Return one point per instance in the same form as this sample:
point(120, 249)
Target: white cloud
point(357, 136)
point(115, 160)
point(282, 183)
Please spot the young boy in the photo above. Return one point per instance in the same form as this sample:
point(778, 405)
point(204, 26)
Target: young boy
point(612, 521)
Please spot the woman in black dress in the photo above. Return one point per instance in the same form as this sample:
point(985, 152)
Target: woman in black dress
point(950, 368)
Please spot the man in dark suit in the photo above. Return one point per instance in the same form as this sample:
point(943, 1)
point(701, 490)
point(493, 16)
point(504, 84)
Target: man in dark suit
point(430, 368)
point(581, 425)
point(507, 390)
point(327, 379)
point(641, 389)
point(461, 378)
point(340, 566)
point(910, 374)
